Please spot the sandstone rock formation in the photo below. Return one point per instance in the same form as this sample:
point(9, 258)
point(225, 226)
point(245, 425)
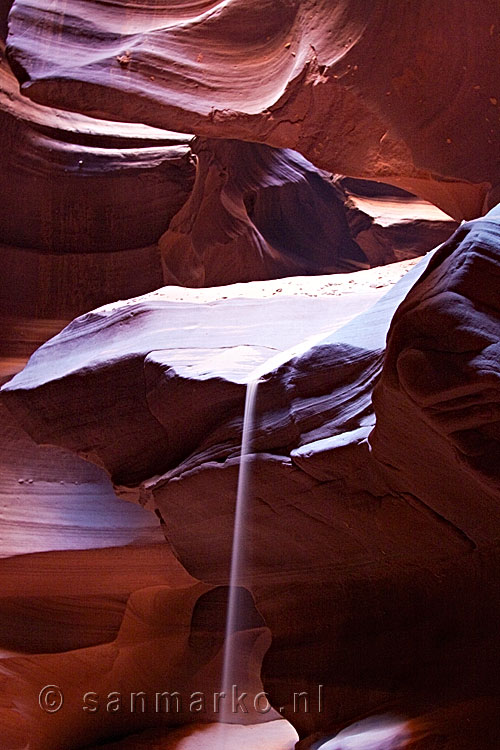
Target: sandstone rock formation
point(390, 224)
point(276, 735)
point(76, 193)
point(441, 377)
point(59, 591)
point(126, 333)
point(241, 222)
point(370, 540)
point(169, 643)
point(71, 184)
point(385, 91)
point(258, 212)
point(395, 548)
point(71, 188)
point(85, 202)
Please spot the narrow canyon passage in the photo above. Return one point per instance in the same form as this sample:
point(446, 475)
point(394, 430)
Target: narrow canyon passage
point(203, 202)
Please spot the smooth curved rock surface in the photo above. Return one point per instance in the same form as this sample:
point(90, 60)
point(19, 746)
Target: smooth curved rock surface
point(440, 390)
point(457, 726)
point(77, 192)
point(390, 224)
point(401, 540)
point(170, 641)
point(257, 213)
point(123, 336)
point(276, 735)
point(371, 538)
point(341, 83)
point(71, 184)
point(54, 501)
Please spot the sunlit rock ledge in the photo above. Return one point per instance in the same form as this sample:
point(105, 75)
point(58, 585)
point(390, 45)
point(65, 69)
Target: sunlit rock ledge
point(157, 401)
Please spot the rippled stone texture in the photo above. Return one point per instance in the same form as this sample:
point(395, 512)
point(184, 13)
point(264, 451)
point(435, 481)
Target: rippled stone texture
point(342, 83)
point(391, 564)
point(76, 193)
point(77, 598)
point(373, 526)
point(440, 390)
point(257, 213)
point(70, 184)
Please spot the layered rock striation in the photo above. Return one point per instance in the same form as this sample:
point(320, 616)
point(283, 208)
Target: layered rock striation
point(377, 534)
point(371, 533)
point(257, 213)
point(345, 85)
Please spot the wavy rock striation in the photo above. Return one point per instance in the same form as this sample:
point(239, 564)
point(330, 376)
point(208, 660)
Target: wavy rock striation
point(442, 381)
point(340, 83)
point(363, 530)
point(77, 192)
point(371, 539)
point(166, 654)
point(71, 184)
point(257, 213)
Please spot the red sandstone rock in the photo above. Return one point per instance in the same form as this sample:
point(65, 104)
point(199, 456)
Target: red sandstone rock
point(381, 92)
point(257, 213)
point(41, 287)
point(79, 180)
point(440, 389)
point(276, 735)
point(372, 554)
point(126, 336)
point(390, 224)
point(76, 192)
point(71, 192)
point(390, 568)
point(70, 184)
point(167, 652)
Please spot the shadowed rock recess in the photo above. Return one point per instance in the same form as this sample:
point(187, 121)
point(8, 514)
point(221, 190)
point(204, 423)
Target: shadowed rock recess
point(241, 221)
point(256, 159)
point(383, 90)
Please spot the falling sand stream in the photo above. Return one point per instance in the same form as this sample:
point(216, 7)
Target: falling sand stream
point(378, 732)
point(237, 557)
point(238, 562)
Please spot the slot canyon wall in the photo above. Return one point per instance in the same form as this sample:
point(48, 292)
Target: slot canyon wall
point(170, 164)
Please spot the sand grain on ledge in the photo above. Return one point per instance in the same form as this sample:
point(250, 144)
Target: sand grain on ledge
point(371, 280)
